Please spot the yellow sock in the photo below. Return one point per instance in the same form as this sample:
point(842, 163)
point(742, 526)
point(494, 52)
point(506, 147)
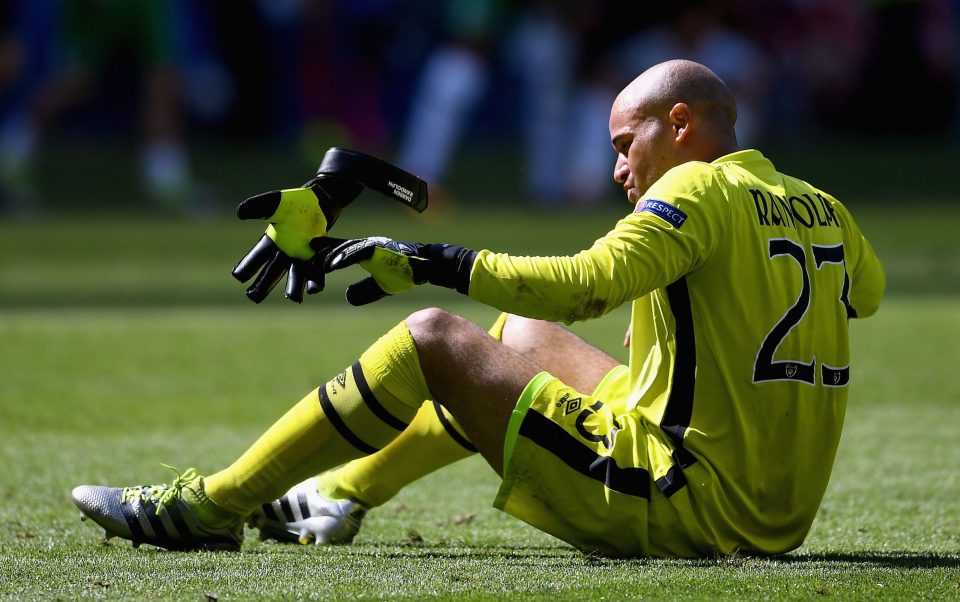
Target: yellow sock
point(358, 412)
point(433, 440)
point(427, 444)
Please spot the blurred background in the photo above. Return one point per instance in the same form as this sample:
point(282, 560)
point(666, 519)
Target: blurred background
point(130, 130)
point(183, 108)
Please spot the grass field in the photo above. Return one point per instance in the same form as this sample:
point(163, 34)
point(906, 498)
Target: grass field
point(125, 343)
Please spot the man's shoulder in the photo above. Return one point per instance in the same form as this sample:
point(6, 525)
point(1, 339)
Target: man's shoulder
point(694, 169)
point(689, 176)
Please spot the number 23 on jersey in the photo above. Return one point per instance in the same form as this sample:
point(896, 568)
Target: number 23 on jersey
point(825, 257)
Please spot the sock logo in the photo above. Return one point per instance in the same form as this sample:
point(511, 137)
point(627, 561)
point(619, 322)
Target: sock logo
point(341, 379)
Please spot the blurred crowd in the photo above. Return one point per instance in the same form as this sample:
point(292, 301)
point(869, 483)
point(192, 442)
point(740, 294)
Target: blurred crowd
point(414, 81)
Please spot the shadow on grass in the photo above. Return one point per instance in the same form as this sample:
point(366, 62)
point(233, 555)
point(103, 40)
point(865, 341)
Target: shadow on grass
point(563, 557)
point(895, 559)
point(888, 559)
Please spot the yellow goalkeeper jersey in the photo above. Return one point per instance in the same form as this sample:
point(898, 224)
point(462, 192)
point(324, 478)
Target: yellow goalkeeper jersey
point(742, 281)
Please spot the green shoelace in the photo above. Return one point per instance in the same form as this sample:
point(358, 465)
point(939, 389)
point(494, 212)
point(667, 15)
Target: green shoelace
point(163, 495)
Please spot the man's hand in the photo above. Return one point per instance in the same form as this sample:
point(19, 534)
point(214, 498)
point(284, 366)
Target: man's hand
point(301, 274)
point(296, 216)
point(397, 266)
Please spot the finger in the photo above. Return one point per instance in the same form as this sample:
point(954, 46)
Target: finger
point(350, 253)
point(255, 259)
point(315, 275)
point(364, 292)
point(269, 277)
point(324, 244)
point(260, 206)
point(315, 284)
point(296, 280)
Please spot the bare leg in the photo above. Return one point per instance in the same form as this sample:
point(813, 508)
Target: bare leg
point(161, 110)
point(480, 379)
point(428, 443)
point(558, 351)
point(59, 94)
point(164, 163)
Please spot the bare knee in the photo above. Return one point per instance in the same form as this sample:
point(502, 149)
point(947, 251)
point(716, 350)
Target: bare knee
point(433, 324)
point(442, 336)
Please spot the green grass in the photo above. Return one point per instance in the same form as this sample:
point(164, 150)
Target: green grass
point(125, 343)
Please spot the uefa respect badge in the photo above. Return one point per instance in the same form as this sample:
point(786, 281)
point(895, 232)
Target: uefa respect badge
point(665, 211)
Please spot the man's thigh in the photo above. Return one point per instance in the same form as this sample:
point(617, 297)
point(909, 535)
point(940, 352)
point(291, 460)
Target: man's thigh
point(472, 375)
point(558, 351)
point(479, 380)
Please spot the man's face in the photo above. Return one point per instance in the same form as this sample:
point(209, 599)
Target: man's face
point(644, 148)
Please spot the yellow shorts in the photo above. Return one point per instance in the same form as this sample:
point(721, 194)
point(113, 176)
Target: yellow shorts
point(576, 467)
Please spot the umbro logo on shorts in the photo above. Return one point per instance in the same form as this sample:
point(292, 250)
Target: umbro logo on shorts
point(572, 404)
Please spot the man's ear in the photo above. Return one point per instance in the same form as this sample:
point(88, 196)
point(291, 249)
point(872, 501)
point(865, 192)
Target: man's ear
point(679, 119)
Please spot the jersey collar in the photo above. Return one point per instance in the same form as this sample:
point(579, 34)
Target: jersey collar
point(757, 163)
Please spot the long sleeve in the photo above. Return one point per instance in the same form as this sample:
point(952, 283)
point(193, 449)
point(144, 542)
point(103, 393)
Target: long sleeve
point(645, 251)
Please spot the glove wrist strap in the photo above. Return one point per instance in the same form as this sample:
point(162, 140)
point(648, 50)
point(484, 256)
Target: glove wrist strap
point(375, 174)
point(333, 195)
point(449, 266)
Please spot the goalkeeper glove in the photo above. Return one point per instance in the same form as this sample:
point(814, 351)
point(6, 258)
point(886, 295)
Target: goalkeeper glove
point(300, 215)
point(296, 216)
point(396, 266)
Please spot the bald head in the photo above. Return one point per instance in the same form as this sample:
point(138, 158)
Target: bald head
point(674, 112)
point(655, 91)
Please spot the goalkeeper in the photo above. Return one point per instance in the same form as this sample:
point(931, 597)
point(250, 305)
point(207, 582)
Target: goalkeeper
point(719, 435)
